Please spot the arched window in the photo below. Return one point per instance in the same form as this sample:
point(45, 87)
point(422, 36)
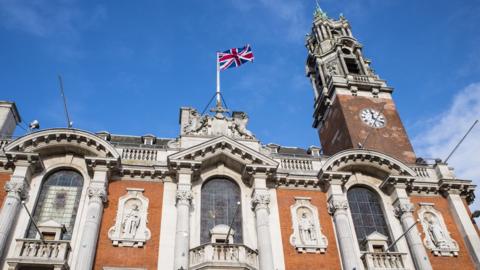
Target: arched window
point(367, 214)
point(219, 206)
point(58, 201)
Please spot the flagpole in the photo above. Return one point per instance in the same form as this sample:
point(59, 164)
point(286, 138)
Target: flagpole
point(218, 81)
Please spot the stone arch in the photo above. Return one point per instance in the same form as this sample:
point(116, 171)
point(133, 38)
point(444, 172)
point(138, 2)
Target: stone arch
point(368, 162)
point(63, 140)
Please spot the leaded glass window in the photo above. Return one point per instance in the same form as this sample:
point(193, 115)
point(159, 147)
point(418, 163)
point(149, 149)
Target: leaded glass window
point(218, 206)
point(367, 214)
point(58, 201)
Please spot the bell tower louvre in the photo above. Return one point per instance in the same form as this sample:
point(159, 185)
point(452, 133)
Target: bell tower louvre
point(353, 107)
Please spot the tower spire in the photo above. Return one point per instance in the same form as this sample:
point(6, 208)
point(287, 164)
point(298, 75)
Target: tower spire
point(319, 12)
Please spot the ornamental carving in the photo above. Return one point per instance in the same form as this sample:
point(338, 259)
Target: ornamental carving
point(16, 189)
point(403, 208)
point(437, 237)
point(130, 229)
point(307, 236)
point(332, 68)
point(97, 194)
point(336, 204)
point(184, 196)
point(260, 199)
point(193, 123)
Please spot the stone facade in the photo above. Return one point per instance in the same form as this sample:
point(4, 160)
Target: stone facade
point(139, 202)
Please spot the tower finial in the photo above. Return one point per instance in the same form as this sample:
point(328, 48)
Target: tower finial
point(319, 12)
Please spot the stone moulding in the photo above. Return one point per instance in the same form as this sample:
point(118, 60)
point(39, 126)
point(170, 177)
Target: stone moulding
point(130, 229)
point(307, 236)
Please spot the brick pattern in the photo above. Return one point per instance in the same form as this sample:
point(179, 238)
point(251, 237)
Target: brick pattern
point(4, 177)
point(438, 263)
point(308, 261)
point(145, 257)
point(344, 118)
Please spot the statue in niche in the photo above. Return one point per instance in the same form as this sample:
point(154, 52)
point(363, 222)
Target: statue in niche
point(131, 222)
point(307, 229)
point(307, 236)
point(130, 228)
point(435, 230)
point(240, 120)
point(437, 238)
point(196, 123)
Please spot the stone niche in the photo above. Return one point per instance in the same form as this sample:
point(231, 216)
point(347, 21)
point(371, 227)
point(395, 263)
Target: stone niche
point(437, 237)
point(130, 229)
point(307, 235)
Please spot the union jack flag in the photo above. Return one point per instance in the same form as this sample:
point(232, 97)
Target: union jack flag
point(235, 57)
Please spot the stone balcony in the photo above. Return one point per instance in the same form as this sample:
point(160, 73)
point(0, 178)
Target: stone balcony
point(221, 256)
point(384, 260)
point(49, 254)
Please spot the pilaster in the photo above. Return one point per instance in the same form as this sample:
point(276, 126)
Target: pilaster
point(97, 196)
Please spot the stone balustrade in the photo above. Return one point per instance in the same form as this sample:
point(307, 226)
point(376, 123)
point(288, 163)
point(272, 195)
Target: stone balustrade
point(215, 255)
point(384, 260)
point(35, 252)
point(296, 164)
point(139, 154)
point(422, 171)
point(360, 78)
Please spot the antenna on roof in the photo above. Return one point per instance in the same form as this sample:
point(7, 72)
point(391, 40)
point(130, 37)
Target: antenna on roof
point(460, 142)
point(69, 123)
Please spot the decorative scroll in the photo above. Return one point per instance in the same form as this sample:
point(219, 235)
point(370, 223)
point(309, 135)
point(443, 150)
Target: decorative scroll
point(130, 229)
point(437, 237)
point(307, 236)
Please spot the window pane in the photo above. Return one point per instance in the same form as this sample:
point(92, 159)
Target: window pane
point(58, 201)
point(219, 202)
point(367, 214)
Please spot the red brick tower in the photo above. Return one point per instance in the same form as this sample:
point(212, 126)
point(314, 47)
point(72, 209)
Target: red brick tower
point(353, 106)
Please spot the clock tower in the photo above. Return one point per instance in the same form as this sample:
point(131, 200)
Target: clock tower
point(353, 105)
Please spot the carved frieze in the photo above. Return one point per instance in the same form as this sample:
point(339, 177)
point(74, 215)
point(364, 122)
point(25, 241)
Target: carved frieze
point(130, 229)
point(307, 236)
point(437, 237)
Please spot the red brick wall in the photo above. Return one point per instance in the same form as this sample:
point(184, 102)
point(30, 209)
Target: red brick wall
point(345, 118)
point(145, 257)
point(308, 261)
point(438, 263)
point(4, 177)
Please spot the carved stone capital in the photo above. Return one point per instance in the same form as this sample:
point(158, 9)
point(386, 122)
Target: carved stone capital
point(260, 200)
point(184, 196)
point(336, 204)
point(403, 208)
point(16, 189)
point(97, 194)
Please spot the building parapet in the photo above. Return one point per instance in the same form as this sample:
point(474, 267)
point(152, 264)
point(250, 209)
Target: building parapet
point(35, 252)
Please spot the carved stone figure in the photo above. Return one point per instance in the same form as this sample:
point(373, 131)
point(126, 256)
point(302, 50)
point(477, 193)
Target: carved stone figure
point(307, 236)
point(196, 123)
point(307, 229)
point(240, 121)
point(130, 229)
point(131, 222)
point(437, 238)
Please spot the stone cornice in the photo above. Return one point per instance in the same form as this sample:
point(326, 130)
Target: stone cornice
point(396, 181)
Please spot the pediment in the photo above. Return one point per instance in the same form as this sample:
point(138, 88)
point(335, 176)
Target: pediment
point(371, 162)
point(225, 147)
point(63, 140)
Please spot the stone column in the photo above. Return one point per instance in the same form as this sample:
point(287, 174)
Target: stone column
point(465, 224)
point(97, 194)
point(16, 191)
point(338, 208)
point(182, 231)
point(260, 201)
point(404, 211)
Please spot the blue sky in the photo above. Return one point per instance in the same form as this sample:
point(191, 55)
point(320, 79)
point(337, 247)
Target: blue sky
point(129, 65)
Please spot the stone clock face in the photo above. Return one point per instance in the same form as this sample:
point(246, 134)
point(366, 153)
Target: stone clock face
point(373, 118)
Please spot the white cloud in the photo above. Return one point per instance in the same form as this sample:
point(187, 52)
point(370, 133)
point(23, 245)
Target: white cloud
point(443, 132)
point(46, 17)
